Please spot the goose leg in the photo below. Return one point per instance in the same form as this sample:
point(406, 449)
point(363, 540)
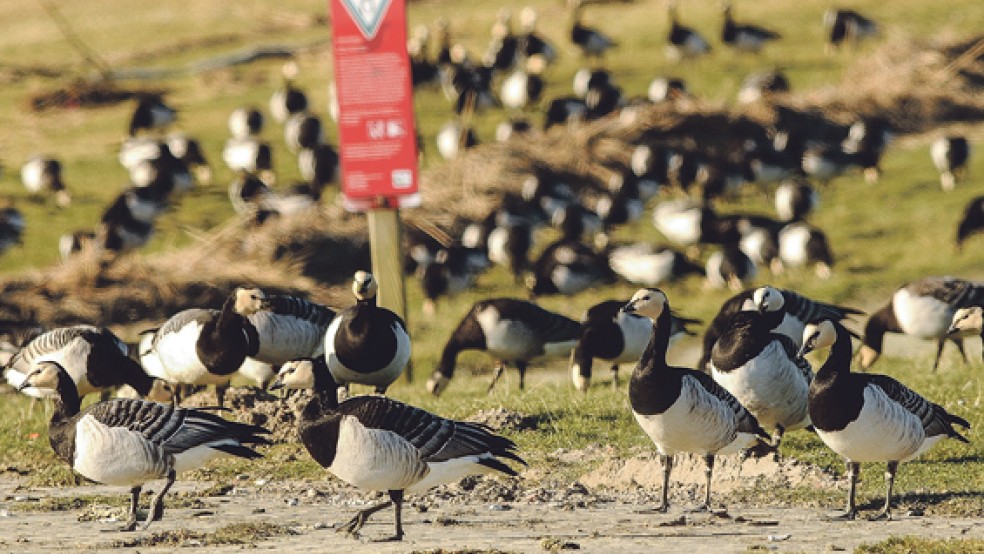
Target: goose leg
point(157, 504)
point(939, 353)
point(355, 524)
point(521, 366)
point(667, 467)
point(131, 521)
point(497, 372)
point(397, 498)
point(853, 469)
point(220, 391)
point(614, 376)
point(708, 471)
point(886, 511)
point(960, 348)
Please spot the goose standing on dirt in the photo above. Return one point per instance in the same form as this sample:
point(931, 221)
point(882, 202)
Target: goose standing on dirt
point(680, 409)
point(377, 443)
point(798, 310)
point(867, 417)
point(94, 357)
point(128, 441)
point(288, 328)
point(42, 174)
point(510, 330)
point(745, 38)
point(950, 155)
point(922, 309)
point(761, 367)
point(205, 347)
point(610, 333)
point(367, 344)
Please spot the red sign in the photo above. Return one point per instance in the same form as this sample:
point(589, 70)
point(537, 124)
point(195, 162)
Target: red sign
point(375, 124)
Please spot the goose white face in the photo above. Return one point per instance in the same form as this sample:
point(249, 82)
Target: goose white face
point(437, 383)
point(968, 320)
point(768, 299)
point(44, 376)
point(647, 302)
point(818, 335)
point(296, 374)
point(249, 301)
point(364, 285)
point(160, 391)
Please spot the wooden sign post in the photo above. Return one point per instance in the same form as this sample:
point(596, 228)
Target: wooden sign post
point(376, 130)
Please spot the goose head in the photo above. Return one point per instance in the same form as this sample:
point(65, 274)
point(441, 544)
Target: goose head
point(437, 383)
point(250, 301)
point(818, 335)
point(295, 374)
point(364, 286)
point(45, 375)
point(647, 302)
point(160, 391)
point(967, 321)
point(767, 299)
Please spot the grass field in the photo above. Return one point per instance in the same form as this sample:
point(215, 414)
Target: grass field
point(883, 235)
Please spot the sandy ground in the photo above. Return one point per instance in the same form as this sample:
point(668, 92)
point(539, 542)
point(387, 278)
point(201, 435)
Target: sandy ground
point(585, 518)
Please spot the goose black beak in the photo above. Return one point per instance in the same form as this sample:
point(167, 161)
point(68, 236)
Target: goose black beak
point(804, 350)
point(629, 308)
point(276, 384)
point(27, 382)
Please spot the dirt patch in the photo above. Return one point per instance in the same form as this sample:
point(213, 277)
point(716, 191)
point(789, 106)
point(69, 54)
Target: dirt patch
point(84, 94)
point(499, 419)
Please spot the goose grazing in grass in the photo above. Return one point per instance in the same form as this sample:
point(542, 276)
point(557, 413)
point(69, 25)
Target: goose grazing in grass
point(12, 226)
point(795, 200)
point(288, 328)
point(950, 155)
point(844, 25)
point(152, 114)
point(648, 265)
point(680, 409)
point(972, 221)
point(251, 155)
point(922, 309)
point(616, 336)
point(966, 321)
point(683, 42)
point(591, 42)
point(245, 122)
point(41, 175)
point(189, 152)
point(367, 344)
point(510, 330)
point(867, 417)
point(288, 99)
point(801, 244)
point(93, 357)
point(377, 443)
point(743, 37)
point(128, 442)
point(730, 266)
point(205, 347)
point(798, 310)
point(761, 367)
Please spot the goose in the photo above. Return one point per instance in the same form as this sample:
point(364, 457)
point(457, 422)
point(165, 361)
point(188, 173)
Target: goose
point(591, 42)
point(151, 114)
point(319, 165)
point(531, 43)
point(795, 200)
point(512, 127)
point(503, 50)
point(247, 191)
point(568, 267)
point(763, 85)
point(743, 37)
point(303, 131)
point(163, 171)
point(453, 138)
point(867, 139)
point(42, 174)
point(509, 243)
point(189, 152)
point(130, 218)
point(761, 367)
point(288, 327)
point(923, 308)
point(377, 443)
point(251, 155)
point(616, 336)
point(76, 241)
point(950, 154)
point(367, 344)
point(730, 266)
point(288, 99)
point(683, 42)
point(94, 357)
point(847, 25)
point(565, 110)
point(12, 226)
point(971, 222)
point(798, 310)
point(452, 270)
point(423, 71)
point(869, 417)
point(245, 122)
point(510, 330)
point(801, 244)
point(667, 89)
point(202, 346)
point(126, 442)
point(648, 265)
point(524, 86)
point(826, 162)
point(679, 409)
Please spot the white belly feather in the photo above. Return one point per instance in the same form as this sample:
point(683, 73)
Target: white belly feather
point(883, 431)
point(922, 316)
point(98, 450)
point(375, 459)
point(179, 357)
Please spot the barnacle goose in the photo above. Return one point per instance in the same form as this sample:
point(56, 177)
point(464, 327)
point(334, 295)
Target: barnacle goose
point(503, 50)
point(867, 417)
point(245, 122)
point(950, 156)
point(251, 155)
point(366, 344)
point(94, 357)
point(202, 346)
point(524, 86)
point(303, 131)
point(743, 37)
point(453, 269)
point(847, 25)
point(319, 165)
point(151, 114)
point(801, 244)
point(42, 174)
point(924, 309)
point(288, 99)
point(761, 367)
point(683, 42)
point(667, 89)
point(377, 443)
point(510, 330)
point(797, 309)
point(568, 267)
point(129, 441)
point(288, 328)
point(730, 266)
point(680, 409)
point(189, 152)
point(762, 85)
point(591, 42)
point(647, 265)
point(454, 137)
point(11, 228)
point(611, 334)
point(531, 43)
point(795, 200)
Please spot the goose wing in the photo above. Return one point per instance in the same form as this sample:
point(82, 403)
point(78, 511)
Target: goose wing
point(935, 419)
point(811, 311)
point(793, 352)
point(955, 292)
point(177, 430)
point(183, 318)
point(49, 342)
point(436, 438)
point(746, 421)
point(302, 309)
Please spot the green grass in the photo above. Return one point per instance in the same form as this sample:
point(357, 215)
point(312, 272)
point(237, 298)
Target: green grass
point(883, 234)
point(911, 545)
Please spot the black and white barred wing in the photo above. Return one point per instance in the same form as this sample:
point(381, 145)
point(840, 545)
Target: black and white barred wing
point(935, 419)
point(746, 421)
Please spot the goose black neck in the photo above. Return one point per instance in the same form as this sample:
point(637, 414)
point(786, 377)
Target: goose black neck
point(660, 340)
point(878, 324)
point(325, 398)
point(228, 316)
point(135, 376)
point(838, 363)
point(66, 402)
